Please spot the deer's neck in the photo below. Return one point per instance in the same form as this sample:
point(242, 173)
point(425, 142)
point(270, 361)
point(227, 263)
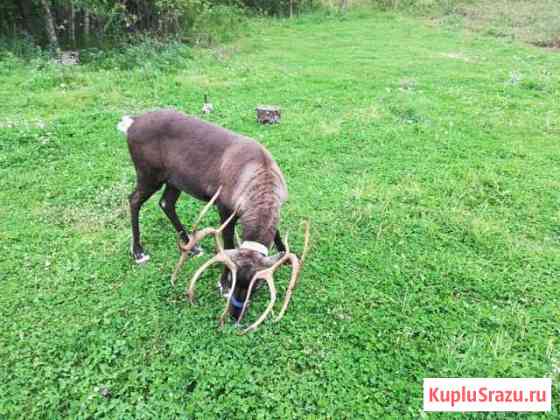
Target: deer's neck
point(260, 223)
point(262, 198)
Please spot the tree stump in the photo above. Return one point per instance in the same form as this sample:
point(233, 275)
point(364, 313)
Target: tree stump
point(69, 58)
point(267, 114)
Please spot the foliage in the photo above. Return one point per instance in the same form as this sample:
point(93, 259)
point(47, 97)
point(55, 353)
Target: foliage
point(145, 53)
point(280, 7)
point(100, 22)
point(22, 47)
point(426, 160)
point(217, 24)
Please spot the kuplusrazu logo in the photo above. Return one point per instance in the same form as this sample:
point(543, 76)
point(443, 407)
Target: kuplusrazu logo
point(487, 394)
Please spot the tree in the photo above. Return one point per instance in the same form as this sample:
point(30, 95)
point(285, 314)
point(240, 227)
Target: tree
point(50, 26)
point(72, 23)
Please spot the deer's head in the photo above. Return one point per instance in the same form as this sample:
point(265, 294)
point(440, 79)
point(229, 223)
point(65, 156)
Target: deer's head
point(248, 268)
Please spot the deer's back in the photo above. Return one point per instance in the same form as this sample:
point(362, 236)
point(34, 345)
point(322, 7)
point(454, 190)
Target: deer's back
point(193, 155)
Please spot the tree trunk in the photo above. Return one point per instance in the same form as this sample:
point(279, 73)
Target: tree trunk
point(291, 8)
point(26, 13)
point(86, 25)
point(72, 27)
point(51, 31)
point(343, 5)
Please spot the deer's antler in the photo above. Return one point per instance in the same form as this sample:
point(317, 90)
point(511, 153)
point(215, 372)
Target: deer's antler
point(197, 235)
point(220, 257)
point(268, 276)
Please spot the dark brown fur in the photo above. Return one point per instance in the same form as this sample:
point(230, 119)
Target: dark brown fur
point(193, 156)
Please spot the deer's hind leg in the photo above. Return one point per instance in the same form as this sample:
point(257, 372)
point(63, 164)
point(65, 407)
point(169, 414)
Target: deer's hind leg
point(278, 242)
point(144, 190)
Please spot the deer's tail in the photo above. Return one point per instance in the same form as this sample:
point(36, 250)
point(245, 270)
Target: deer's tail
point(125, 124)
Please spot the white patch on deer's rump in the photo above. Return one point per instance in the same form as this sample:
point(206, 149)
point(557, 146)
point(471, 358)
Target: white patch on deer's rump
point(125, 124)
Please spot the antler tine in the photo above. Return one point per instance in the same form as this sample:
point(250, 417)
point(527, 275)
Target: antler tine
point(184, 256)
point(246, 303)
point(272, 289)
point(197, 236)
point(219, 257)
point(218, 232)
point(297, 264)
point(233, 270)
point(206, 208)
point(193, 240)
point(190, 291)
point(267, 275)
point(305, 241)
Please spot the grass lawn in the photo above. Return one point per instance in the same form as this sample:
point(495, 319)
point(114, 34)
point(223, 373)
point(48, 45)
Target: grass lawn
point(427, 160)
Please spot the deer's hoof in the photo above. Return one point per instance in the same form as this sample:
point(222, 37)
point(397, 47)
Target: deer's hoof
point(141, 258)
point(223, 290)
point(224, 285)
point(197, 251)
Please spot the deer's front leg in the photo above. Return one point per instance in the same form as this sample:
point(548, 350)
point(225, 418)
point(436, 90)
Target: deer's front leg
point(168, 204)
point(224, 284)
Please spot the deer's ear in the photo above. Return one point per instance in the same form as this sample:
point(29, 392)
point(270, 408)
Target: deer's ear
point(270, 261)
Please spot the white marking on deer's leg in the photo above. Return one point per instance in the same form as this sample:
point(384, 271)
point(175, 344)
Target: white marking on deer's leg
point(143, 259)
point(225, 290)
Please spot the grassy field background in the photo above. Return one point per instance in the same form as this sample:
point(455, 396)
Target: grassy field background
point(533, 21)
point(426, 158)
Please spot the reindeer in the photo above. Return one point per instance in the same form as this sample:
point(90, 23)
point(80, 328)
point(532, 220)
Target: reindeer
point(228, 170)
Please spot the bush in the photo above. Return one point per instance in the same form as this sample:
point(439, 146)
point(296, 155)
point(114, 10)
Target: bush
point(87, 23)
point(219, 23)
point(280, 7)
point(145, 51)
point(22, 47)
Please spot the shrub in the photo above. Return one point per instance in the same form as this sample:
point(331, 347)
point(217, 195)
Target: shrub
point(219, 23)
point(87, 23)
point(144, 51)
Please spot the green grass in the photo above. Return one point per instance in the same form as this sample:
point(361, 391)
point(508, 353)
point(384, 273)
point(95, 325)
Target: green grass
point(533, 21)
point(426, 159)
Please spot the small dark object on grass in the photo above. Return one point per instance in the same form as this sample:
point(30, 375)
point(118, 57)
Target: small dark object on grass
point(105, 392)
point(207, 108)
point(267, 114)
